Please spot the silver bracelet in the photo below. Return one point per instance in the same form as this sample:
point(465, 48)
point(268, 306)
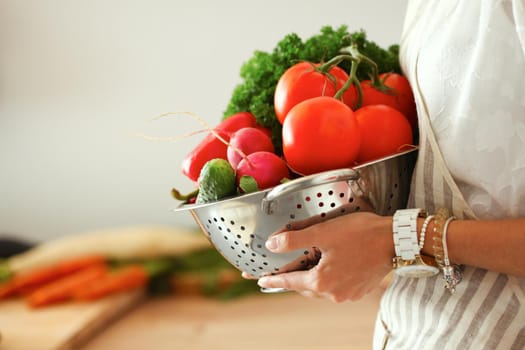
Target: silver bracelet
point(423, 231)
point(451, 273)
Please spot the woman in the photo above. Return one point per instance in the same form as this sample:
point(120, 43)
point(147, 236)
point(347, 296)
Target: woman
point(466, 64)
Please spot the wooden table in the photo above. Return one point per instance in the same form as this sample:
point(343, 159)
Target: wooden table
point(283, 321)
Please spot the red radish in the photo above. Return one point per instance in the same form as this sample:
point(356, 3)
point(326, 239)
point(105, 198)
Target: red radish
point(247, 141)
point(267, 169)
point(264, 129)
point(211, 147)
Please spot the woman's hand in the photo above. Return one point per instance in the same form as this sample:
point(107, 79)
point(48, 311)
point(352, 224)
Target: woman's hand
point(356, 254)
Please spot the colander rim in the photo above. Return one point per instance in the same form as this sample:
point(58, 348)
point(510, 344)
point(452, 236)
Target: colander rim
point(185, 206)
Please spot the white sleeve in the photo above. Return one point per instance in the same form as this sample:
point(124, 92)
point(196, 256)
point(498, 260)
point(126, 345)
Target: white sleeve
point(412, 13)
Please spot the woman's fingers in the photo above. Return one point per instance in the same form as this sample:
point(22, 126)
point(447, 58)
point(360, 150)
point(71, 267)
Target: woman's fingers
point(248, 276)
point(296, 280)
point(291, 240)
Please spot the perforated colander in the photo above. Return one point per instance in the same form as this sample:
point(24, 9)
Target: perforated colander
point(238, 227)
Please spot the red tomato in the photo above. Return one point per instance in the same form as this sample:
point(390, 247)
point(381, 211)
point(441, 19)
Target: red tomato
point(384, 131)
point(302, 81)
point(320, 134)
point(400, 97)
point(211, 147)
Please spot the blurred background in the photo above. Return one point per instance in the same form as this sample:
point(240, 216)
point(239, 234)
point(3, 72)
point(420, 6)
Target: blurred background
point(80, 80)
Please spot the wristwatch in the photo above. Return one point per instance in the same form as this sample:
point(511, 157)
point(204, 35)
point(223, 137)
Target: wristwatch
point(408, 261)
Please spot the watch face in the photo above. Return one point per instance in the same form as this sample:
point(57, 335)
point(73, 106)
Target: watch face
point(417, 271)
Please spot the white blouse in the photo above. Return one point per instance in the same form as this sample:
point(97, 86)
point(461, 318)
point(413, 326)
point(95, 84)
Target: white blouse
point(466, 63)
point(471, 71)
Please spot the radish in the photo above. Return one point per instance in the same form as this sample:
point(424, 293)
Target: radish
point(212, 147)
point(267, 169)
point(247, 140)
point(264, 129)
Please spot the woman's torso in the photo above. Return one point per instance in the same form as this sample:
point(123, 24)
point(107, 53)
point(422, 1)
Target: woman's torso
point(466, 63)
point(470, 67)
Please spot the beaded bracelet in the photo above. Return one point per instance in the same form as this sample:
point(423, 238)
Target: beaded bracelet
point(424, 230)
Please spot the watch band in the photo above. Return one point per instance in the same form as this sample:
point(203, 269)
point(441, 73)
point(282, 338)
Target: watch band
point(404, 227)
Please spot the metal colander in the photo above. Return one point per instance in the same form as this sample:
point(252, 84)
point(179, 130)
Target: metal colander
point(238, 227)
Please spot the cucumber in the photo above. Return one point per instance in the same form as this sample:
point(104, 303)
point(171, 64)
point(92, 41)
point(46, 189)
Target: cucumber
point(216, 181)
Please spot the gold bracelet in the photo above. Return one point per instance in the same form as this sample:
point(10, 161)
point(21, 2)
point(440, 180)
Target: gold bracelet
point(440, 218)
point(451, 272)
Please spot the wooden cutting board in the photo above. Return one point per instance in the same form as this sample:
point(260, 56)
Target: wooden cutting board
point(60, 327)
point(254, 322)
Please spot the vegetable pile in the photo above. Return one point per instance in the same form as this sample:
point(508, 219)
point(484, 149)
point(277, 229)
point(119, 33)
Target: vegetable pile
point(83, 278)
point(98, 264)
point(263, 70)
point(333, 101)
point(93, 277)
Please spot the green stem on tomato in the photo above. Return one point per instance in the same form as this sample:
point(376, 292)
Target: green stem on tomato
point(353, 54)
point(375, 81)
point(354, 51)
point(325, 67)
point(352, 79)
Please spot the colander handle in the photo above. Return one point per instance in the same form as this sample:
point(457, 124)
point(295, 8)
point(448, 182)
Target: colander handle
point(268, 202)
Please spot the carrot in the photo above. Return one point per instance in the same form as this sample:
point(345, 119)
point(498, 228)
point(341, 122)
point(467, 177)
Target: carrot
point(127, 278)
point(62, 289)
point(20, 284)
point(7, 289)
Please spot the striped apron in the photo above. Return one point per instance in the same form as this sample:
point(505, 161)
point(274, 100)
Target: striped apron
point(487, 311)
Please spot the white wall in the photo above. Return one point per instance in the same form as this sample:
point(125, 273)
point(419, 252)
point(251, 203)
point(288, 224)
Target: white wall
point(79, 78)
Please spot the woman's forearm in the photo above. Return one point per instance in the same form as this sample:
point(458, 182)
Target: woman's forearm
point(497, 245)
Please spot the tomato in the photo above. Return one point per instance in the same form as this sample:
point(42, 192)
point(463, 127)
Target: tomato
point(400, 97)
point(384, 131)
point(320, 134)
point(211, 147)
point(302, 81)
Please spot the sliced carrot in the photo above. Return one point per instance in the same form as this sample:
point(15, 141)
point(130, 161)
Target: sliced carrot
point(44, 275)
point(62, 289)
point(127, 278)
point(7, 289)
point(20, 284)
point(25, 291)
